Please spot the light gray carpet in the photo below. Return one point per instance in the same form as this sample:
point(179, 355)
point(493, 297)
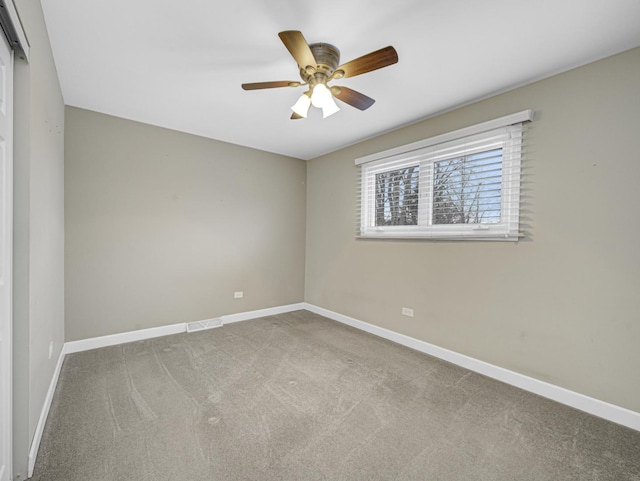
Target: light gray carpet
point(300, 397)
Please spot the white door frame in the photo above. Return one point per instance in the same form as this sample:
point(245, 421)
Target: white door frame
point(6, 257)
point(12, 37)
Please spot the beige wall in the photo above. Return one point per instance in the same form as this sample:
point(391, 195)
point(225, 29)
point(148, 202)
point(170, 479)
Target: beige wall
point(562, 305)
point(162, 227)
point(38, 318)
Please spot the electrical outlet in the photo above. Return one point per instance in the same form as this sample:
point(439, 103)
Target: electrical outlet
point(50, 349)
point(407, 312)
point(238, 295)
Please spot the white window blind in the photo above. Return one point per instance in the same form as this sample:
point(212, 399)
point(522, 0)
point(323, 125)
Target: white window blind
point(460, 185)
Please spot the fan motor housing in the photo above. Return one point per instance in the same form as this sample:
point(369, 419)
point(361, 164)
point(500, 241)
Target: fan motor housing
point(327, 57)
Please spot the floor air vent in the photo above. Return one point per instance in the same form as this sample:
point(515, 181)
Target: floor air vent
point(202, 325)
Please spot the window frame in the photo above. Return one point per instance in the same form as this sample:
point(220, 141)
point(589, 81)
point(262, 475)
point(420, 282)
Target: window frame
point(504, 133)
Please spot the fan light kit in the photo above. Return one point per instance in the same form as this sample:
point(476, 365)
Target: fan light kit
point(319, 64)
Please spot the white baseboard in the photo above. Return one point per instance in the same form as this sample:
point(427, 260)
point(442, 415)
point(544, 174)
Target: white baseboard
point(123, 337)
point(141, 334)
point(576, 400)
point(271, 311)
point(35, 442)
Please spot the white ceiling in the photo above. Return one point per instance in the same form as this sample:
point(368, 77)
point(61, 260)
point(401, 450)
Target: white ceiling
point(179, 64)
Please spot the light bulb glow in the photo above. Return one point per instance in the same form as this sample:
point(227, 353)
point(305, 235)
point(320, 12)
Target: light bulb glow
point(301, 107)
point(321, 96)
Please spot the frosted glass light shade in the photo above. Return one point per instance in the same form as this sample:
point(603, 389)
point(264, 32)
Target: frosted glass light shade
point(301, 107)
point(329, 108)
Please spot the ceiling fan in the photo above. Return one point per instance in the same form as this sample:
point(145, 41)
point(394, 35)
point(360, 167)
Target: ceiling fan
point(319, 63)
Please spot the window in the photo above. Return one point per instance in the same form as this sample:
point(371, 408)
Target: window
point(461, 185)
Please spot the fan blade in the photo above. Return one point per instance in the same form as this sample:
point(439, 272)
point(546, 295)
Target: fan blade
point(298, 48)
point(295, 116)
point(367, 63)
point(352, 97)
point(270, 85)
